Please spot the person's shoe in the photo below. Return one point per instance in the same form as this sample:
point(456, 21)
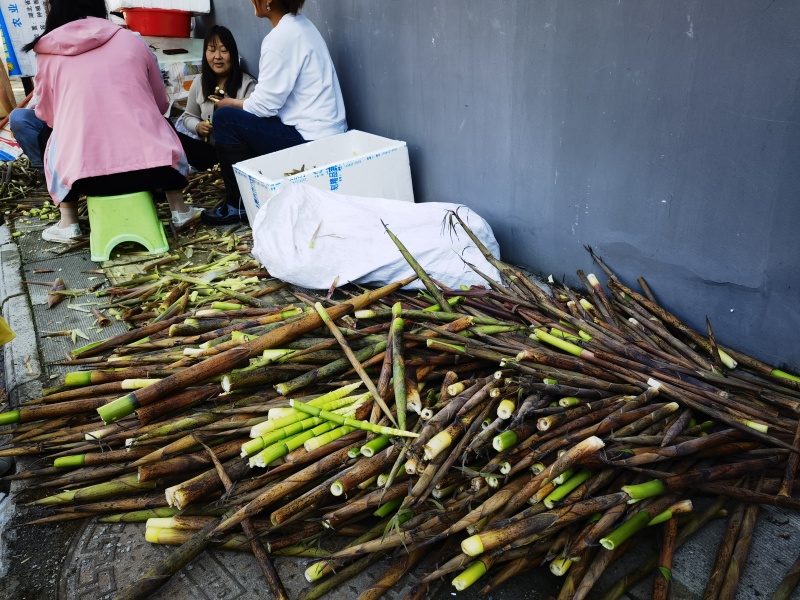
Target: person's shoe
point(224, 215)
point(54, 233)
point(179, 219)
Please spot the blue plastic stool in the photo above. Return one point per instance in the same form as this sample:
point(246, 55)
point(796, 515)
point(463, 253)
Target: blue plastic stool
point(124, 218)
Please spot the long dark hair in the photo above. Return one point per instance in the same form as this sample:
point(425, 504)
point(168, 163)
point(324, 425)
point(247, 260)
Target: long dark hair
point(234, 81)
point(61, 12)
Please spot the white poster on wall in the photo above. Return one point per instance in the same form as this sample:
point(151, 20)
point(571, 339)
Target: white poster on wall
point(21, 21)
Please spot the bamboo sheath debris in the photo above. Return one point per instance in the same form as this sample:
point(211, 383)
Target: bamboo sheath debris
point(463, 391)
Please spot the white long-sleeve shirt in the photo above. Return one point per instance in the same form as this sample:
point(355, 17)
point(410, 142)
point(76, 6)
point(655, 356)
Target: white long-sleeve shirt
point(297, 81)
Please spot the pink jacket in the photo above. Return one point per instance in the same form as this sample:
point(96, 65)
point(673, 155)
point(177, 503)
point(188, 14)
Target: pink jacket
point(101, 91)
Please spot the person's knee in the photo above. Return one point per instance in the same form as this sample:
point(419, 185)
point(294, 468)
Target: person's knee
point(24, 118)
point(224, 117)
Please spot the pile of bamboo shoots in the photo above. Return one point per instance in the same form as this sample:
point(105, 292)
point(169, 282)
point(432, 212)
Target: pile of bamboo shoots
point(479, 433)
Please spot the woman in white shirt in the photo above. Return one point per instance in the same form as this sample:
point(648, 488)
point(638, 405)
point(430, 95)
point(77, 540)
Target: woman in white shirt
point(297, 99)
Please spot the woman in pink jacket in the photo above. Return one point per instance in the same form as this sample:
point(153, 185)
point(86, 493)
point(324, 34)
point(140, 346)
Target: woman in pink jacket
point(100, 90)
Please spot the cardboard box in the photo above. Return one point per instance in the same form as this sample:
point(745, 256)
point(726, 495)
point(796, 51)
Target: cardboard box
point(353, 163)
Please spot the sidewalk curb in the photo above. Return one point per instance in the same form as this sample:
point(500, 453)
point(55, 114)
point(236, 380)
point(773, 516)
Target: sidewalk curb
point(19, 355)
point(23, 366)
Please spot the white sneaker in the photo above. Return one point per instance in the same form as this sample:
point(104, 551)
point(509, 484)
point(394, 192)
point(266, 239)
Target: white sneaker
point(54, 233)
point(179, 219)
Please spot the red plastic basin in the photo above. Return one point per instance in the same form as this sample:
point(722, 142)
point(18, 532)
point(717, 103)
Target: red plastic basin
point(158, 22)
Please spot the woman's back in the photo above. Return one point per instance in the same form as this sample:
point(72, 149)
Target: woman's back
point(101, 92)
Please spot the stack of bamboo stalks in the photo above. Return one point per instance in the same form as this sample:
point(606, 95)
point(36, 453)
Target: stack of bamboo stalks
point(483, 432)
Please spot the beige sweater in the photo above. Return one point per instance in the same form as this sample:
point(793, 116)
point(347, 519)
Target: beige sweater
point(200, 108)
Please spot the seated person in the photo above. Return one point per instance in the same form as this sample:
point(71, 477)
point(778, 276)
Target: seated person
point(107, 139)
point(220, 76)
point(29, 130)
point(297, 99)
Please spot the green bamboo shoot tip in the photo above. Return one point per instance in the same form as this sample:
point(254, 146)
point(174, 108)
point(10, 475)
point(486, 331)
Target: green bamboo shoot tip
point(388, 508)
point(9, 418)
point(78, 378)
point(375, 445)
point(505, 440)
point(472, 546)
point(644, 490)
point(469, 576)
point(119, 408)
point(785, 375)
point(564, 345)
point(626, 530)
point(69, 462)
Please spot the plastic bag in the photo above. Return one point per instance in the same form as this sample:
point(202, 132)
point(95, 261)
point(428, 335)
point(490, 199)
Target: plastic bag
point(309, 237)
point(6, 335)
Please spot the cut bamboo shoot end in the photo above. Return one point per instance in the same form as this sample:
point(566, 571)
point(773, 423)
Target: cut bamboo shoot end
point(9, 418)
point(537, 468)
point(469, 576)
point(193, 351)
point(727, 359)
point(411, 466)
point(641, 491)
point(785, 375)
point(277, 413)
point(136, 384)
point(568, 401)
point(444, 492)
point(160, 523)
point(117, 409)
point(455, 389)
point(437, 444)
point(317, 571)
point(151, 535)
point(592, 279)
point(505, 440)
point(426, 414)
point(78, 378)
point(472, 546)
point(586, 304)
point(505, 410)
point(69, 462)
point(505, 468)
point(337, 488)
point(654, 383)
point(757, 426)
point(560, 566)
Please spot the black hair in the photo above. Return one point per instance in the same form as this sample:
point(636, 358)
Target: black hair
point(234, 81)
point(291, 6)
point(61, 12)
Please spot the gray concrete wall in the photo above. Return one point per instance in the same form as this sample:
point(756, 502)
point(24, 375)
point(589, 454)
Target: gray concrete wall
point(663, 133)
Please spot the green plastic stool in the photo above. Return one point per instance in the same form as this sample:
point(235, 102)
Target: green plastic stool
point(124, 218)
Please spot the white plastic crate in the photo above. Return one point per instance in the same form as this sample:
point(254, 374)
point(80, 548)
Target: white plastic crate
point(353, 163)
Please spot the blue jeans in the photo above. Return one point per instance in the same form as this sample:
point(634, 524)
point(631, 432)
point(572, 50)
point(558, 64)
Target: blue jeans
point(26, 128)
point(262, 135)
